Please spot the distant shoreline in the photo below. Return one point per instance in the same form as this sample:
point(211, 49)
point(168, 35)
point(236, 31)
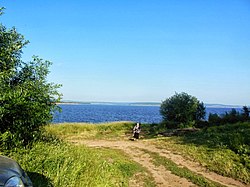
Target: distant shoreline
point(72, 103)
point(139, 104)
point(111, 103)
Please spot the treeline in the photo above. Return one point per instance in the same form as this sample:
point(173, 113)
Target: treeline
point(183, 110)
point(230, 117)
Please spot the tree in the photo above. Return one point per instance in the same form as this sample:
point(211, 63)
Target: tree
point(214, 119)
point(27, 100)
point(245, 113)
point(182, 109)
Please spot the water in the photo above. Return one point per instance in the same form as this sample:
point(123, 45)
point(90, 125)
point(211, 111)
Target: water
point(93, 113)
point(98, 113)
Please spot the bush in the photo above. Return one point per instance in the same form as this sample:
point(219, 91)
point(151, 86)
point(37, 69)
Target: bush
point(27, 100)
point(183, 110)
point(214, 119)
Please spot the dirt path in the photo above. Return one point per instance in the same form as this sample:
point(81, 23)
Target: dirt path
point(161, 176)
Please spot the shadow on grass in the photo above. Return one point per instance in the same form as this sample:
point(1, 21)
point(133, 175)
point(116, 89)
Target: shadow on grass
point(233, 136)
point(39, 180)
point(149, 131)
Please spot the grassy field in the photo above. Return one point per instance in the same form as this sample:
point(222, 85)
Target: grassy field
point(182, 171)
point(107, 131)
point(61, 164)
point(223, 149)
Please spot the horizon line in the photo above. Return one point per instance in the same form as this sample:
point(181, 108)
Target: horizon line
point(145, 102)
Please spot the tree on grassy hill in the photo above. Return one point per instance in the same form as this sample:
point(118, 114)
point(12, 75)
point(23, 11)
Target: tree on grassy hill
point(182, 109)
point(27, 100)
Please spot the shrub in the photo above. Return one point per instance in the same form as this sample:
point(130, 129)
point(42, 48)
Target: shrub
point(27, 100)
point(182, 109)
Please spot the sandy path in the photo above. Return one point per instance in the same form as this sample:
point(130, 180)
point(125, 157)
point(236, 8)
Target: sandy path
point(161, 176)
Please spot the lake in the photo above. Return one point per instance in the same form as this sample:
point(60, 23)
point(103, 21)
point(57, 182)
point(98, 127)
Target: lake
point(98, 113)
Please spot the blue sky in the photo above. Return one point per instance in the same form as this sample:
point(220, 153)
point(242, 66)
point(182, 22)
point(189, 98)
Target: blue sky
point(139, 50)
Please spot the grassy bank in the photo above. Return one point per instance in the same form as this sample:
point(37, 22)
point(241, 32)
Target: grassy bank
point(108, 131)
point(223, 149)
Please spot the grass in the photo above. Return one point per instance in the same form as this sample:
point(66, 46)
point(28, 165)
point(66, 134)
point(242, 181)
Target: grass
point(182, 171)
point(222, 149)
point(61, 164)
point(216, 149)
point(108, 131)
point(111, 131)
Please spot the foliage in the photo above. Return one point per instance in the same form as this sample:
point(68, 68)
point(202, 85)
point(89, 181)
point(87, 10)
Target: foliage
point(235, 137)
point(60, 164)
point(214, 118)
point(27, 100)
point(182, 109)
point(229, 118)
point(1, 10)
point(245, 114)
point(224, 149)
point(182, 171)
point(214, 147)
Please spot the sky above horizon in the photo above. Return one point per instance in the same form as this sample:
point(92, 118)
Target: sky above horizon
point(139, 51)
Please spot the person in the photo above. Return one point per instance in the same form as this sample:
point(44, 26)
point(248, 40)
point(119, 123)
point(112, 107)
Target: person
point(136, 131)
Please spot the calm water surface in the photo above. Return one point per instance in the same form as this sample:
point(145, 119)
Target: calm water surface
point(95, 113)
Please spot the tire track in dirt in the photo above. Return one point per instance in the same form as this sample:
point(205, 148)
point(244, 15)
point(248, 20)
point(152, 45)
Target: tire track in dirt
point(161, 175)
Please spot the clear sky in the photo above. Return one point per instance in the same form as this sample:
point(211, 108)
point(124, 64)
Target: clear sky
point(139, 50)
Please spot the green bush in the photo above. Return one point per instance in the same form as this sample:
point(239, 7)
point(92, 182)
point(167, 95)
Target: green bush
point(27, 100)
point(182, 109)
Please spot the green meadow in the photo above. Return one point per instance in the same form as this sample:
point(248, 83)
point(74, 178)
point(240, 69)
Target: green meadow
point(53, 161)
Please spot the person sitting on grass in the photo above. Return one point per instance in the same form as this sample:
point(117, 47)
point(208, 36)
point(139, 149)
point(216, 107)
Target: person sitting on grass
point(137, 130)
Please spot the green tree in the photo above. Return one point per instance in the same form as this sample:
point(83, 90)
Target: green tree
point(182, 109)
point(245, 113)
point(214, 119)
point(27, 100)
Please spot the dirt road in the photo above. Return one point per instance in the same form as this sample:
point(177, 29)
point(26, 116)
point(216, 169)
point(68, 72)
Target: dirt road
point(162, 177)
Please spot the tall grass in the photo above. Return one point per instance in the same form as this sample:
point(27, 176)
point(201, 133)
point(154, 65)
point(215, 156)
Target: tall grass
point(182, 171)
point(68, 165)
point(111, 131)
point(223, 149)
point(114, 130)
